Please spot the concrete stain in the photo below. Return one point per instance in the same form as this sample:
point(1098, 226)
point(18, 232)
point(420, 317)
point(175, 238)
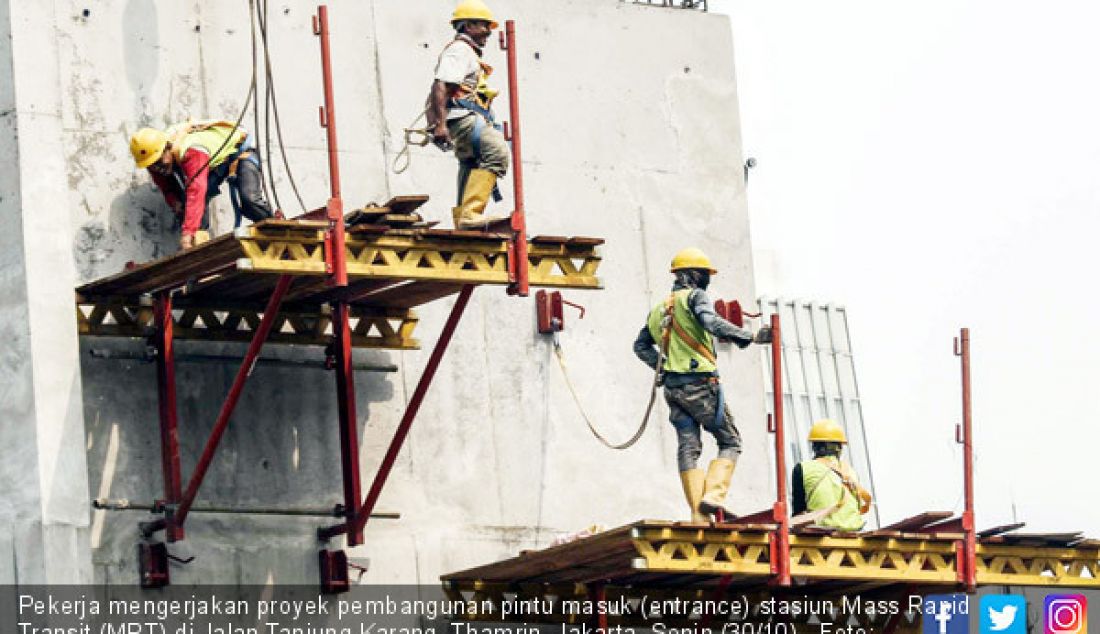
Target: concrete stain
point(90, 248)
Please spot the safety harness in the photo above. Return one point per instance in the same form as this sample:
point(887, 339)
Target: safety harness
point(699, 347)
point(849, 485)
point(477, 101)
point(244, 150)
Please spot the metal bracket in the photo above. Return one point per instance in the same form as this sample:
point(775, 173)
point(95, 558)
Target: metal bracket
point(550, 312)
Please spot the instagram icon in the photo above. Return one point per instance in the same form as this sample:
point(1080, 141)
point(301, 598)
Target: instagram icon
point(1065, 614)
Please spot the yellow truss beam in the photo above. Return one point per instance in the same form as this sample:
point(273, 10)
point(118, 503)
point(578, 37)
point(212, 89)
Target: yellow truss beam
point(1017, 565)
point(476, 261)
point(371, 328)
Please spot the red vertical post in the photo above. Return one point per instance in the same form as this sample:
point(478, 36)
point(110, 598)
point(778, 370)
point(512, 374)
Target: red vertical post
point(334, 238)
point(271, 311)
point(970, 549)
point(407, 420)
point(345, 399)
point(518, 251)
point(166, 405)
point(781, 564)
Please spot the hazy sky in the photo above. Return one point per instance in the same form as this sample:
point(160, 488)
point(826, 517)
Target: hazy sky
point(932, 165)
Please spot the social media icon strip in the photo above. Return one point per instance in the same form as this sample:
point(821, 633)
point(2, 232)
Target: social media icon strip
point(1003, 614)
point(1065, 614)
point(945, 614)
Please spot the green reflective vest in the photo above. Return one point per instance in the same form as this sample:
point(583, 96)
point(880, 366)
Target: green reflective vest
point(824, 489)
point(209, 135)
point(682, 357)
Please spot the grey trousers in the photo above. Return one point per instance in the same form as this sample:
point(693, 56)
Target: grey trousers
point(494, 156)
point(693, 407)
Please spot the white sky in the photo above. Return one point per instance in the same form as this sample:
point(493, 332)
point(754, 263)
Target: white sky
point(932, 165)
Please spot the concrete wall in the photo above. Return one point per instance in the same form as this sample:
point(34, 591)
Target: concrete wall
point(630, 133)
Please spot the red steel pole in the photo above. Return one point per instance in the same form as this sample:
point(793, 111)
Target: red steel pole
point(266, 323)
point(335, 207)
point(345, 399)
point(407, 420)
point(166, 402)
point(782, 562)
point(962, 350)
point(518, 251)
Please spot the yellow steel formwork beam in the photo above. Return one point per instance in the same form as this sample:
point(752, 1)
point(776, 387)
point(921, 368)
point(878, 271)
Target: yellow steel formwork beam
point(872, 559)
point(1038, 566)
point(371, 327)
point(411, 257)
point(700, 550)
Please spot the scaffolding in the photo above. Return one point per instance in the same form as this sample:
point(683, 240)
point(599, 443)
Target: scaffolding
point(769, 554)
point(325, 279)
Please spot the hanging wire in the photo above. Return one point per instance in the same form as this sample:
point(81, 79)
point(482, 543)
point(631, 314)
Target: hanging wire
point(256, 100)
point(270, 99)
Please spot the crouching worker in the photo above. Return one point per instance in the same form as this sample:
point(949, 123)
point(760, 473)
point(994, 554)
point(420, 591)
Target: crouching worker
point(826, 488)
point(190, 161)
point(685, 324)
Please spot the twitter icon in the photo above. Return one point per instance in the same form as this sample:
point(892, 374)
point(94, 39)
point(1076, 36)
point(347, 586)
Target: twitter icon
point(1003, 614)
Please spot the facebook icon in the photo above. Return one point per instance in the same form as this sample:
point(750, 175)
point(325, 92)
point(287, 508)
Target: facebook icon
point(945, 614)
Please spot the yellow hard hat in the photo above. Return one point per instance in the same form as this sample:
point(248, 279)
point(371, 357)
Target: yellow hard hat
point(826, 430)
point(473, 10)
point(692, 258)
point(147, 146)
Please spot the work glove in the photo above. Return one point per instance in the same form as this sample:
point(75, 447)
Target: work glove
point(764, 335)
point(442, 138)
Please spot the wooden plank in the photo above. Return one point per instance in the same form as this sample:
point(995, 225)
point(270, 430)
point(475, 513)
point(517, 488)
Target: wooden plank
point(767, 515)
point(400, 219)
point(953, 525)
point(406, 204)
point(578, 241)
point(549, 559)
point(542, 239)
point(884, 533)
point(179, 266)
point(917, 521)
point(1040, 539)
point(467, 235)
point(997, 530)
point(410, 295)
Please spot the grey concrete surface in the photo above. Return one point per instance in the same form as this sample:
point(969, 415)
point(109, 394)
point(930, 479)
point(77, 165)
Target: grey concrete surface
point(44, 508)
point(630, 123)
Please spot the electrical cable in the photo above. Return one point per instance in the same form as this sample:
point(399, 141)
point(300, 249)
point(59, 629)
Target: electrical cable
point(275, 108)
point(256, 94)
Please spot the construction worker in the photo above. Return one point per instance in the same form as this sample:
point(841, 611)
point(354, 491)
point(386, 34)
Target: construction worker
point(681, 331)
point(459, 113)
point(190, 161)
point(826, 487)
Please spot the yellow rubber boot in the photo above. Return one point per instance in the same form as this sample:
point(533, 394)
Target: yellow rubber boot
point(470, 214)
point(716, 486)
point(692, 479)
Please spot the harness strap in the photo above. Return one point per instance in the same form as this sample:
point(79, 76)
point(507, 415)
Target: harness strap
point(685, 336)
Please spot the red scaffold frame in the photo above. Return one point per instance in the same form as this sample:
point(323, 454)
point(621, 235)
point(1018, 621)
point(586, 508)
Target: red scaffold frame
point(178, 500)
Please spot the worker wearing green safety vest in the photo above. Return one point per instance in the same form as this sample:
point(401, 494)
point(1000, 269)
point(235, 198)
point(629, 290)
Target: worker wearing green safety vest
point(679, 334)
point(826, 487)
point(188, 163)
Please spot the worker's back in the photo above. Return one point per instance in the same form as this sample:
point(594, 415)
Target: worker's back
point(823, 481)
